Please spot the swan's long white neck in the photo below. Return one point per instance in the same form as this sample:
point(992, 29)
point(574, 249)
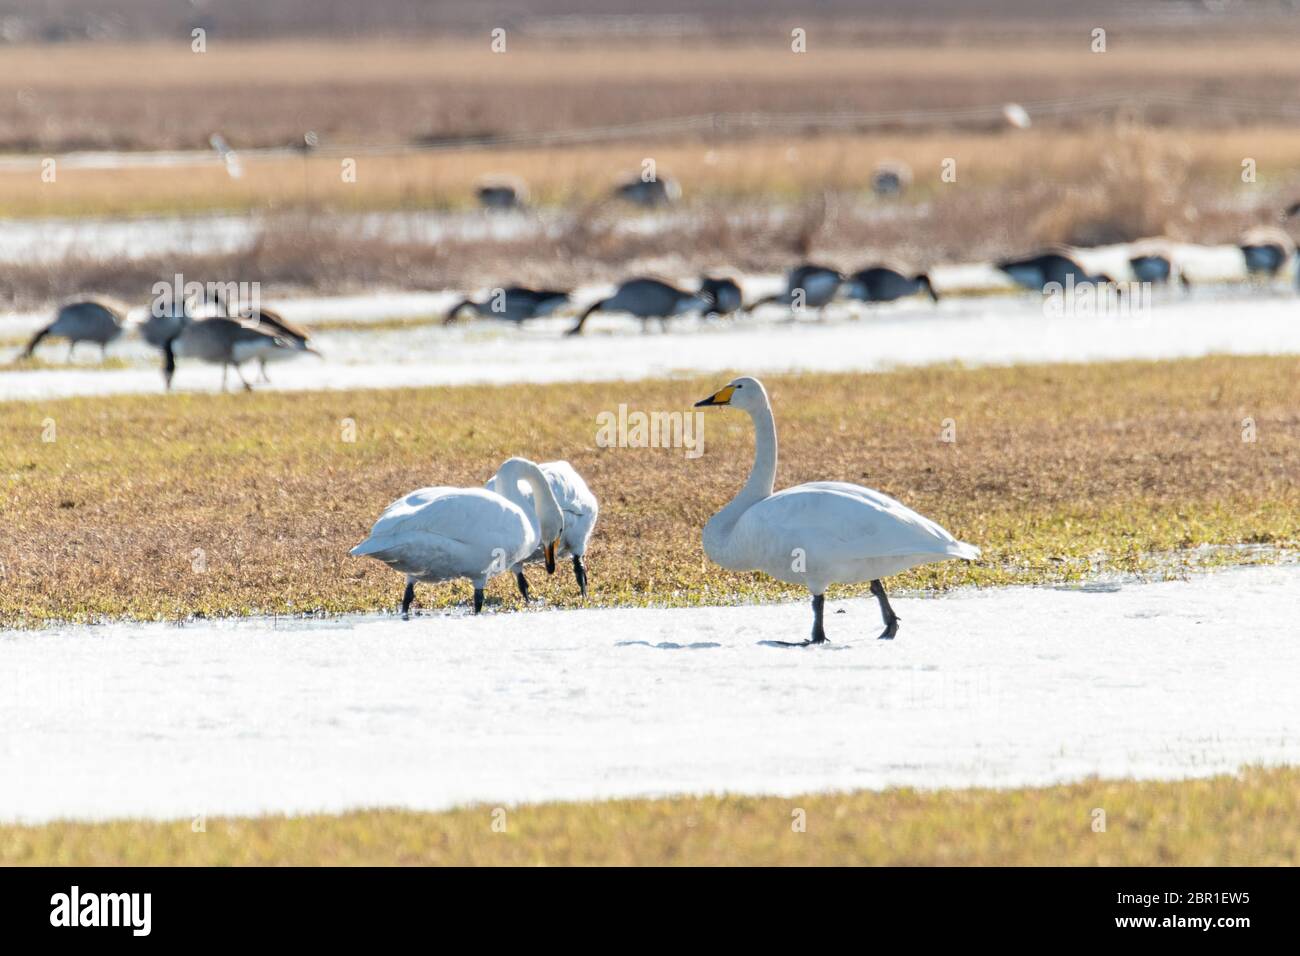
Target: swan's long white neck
point(762, 478)
point(543, 506)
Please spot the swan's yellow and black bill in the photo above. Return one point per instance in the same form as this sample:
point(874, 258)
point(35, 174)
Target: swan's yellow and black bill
point(549, 553)
point(721, 397)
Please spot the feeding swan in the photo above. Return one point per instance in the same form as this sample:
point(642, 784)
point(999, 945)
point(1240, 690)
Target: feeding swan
point(578, 508)
point(820, 533)
point(440, 534)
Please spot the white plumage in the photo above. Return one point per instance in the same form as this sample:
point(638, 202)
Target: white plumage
point(440, 534)
point(820, 533)
point(578, 507)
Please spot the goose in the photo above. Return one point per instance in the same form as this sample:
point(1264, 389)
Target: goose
point(808, 286)
point(1266, 251)
point(295, 336)
point(820, 533)
point(441, 534)
point(165, 321)
point(92, 320)
point(515, 304)
point(1264, 258)
point(168, 314)
point(648, 193)
point(1157, 268)
point(723, 295)
point(646, 299)
point(502, 193)
point(220, 341)
point(1151, 267)
point(883, 284)
point(890, 179)
point(1037, 272)
point(578, 508)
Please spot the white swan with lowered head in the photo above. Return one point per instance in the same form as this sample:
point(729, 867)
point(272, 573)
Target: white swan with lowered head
point(579, 509)
point(440, 534)
point(820, 533)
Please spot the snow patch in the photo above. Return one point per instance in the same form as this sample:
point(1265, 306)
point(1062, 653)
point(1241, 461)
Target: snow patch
point(998, 687)
point(982, 331)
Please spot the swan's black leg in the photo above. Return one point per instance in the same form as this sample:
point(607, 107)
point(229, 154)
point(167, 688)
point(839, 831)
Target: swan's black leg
point(523, 585)
point(407, 597)
point(478, 600)
point(580, 573)
point(887, 612)
point(819, 633)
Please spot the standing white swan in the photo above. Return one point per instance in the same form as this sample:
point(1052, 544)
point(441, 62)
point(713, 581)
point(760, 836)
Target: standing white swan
point(440, 534)
point(820, 533)
point(577, 506)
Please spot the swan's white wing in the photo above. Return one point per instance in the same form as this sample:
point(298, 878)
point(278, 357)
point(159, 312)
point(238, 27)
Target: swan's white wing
point(451, 531)
point(899, 524)
point(570, 490)
point(577, 504)
point(576, 501)
point(827, 532)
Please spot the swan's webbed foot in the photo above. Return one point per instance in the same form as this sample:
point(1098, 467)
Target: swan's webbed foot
point(407, 597)
point(523, 585)
point(478, 600)
point(818, 632)
point(887, 612)
point(580, 574)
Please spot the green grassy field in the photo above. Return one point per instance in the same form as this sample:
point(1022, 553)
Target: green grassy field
point(161, 506)
point(1251, 819)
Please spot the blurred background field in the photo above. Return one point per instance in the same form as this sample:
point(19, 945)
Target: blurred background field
point(774, 150)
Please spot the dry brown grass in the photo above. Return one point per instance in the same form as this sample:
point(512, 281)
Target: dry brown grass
point(1135, 188)
point(1122, 169)
point(161, 95)
point(301, 251)
point(1052, 465)
point(1246, 820)
point(1051, 56)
